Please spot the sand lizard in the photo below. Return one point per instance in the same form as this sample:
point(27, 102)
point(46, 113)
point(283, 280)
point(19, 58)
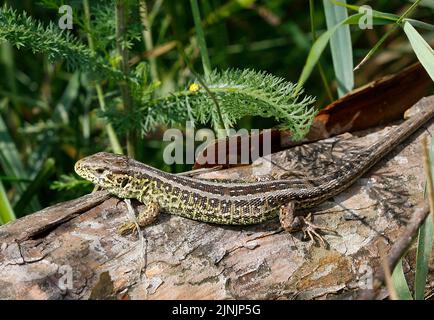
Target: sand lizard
point(238, 203)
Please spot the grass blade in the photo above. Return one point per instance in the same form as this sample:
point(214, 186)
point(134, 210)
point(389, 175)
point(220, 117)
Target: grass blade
point(376, 14)
point(400, 283)
point(424, 249)
point(42, 176)
point(420, 24)
point(60, 115)
point(61, 110)
point(421, 48)
point(398, 22)
point(9, 156)
point(201, 38)
point(7, 59)
point(425, 242)
point(6, 211)
point(320, 67)
point(383, 17)
point(113, 138)
point(341, 46)
point(13, 179)
point(375, 47)
point(11, 162)
point(318, 48)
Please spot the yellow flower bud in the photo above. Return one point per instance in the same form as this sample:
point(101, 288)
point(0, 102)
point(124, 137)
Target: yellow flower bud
point(194, 87)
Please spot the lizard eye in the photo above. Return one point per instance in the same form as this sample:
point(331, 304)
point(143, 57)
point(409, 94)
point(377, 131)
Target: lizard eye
point(124, 183)
point(99, 171)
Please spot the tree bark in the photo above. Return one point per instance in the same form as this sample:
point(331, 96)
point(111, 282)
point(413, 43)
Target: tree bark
point(72, 250)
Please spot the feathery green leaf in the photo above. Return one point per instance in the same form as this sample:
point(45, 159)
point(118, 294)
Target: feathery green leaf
point(23, 31)
point(239, 92)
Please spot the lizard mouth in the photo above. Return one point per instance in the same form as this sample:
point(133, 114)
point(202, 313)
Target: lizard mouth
point(84, 170)
point(78, 168)
point(101, 176)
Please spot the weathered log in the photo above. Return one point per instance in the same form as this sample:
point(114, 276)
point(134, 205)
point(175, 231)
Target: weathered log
point(72, 250)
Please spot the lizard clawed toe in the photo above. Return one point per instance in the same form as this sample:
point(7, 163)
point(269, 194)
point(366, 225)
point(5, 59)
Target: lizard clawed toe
point(127, 228)
point(311, 230)
point(146, 217)
point(293, 223)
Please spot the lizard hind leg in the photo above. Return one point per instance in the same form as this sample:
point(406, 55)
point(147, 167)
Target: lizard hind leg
point(287, 218)
point(293, 223)
point(145, 217)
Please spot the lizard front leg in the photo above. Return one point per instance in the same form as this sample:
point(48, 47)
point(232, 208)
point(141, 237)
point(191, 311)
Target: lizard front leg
point(293, 223)
point(145, 217)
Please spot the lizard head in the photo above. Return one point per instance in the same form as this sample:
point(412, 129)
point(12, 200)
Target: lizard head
point(109, 171)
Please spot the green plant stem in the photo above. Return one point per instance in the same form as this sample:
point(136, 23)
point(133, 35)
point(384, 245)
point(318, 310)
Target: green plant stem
point(387, 34)
point(11, 163)
point(114, 141)
point(6, 211)
point(423, 255)
point(425, 236)
point(320, 67)
point(7, 59)
point(113, 138)
point(47, 169)
point(121, 11)
point(220, 124)
point(216, 103)
point(147, 38)
point(400, 283)
point(201, 38)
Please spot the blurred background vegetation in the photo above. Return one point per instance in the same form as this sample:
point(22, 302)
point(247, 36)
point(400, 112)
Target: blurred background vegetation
point(50, 109)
